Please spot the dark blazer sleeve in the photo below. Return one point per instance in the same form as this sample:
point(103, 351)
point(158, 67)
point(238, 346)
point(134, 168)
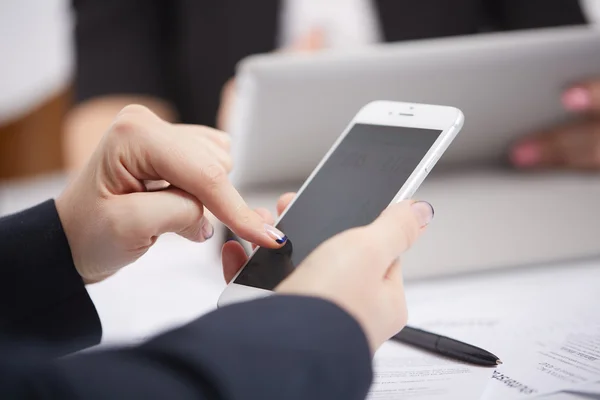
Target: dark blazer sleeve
point(282, 347)
point(42, 297)
point(120, 47)
point(526, 14)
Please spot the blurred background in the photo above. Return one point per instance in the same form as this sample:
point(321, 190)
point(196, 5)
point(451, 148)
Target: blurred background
point(35, 76)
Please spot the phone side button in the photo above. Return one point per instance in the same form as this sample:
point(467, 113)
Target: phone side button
point(410, 194)
point(422, 176)
point(431, 164)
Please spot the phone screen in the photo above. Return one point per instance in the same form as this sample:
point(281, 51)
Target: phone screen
point(356, 183)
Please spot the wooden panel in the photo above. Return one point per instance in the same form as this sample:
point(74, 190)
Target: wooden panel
point(32, 145)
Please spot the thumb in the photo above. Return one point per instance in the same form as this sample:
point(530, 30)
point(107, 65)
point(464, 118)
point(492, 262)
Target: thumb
point(233, 258)
point(151, 214)
point(398, 227)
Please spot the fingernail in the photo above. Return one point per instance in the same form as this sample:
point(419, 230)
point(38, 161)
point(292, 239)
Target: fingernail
point(526, 155)
point(207, 229)
point(424, 212)
point(577, 99)
point(275, 234)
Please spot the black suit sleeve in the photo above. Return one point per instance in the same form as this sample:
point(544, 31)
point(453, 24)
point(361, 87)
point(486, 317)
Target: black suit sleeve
point(283, 347)
point(42, 297)
point(527, 14)
point(120, 47)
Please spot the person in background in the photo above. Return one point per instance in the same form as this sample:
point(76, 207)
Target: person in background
point(574, 145)
point(314, 339)
point(177, 57)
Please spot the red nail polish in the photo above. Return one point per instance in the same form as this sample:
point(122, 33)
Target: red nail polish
point(577, 99)
point(526, 155)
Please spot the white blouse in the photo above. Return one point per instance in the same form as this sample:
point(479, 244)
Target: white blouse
point(345, 23)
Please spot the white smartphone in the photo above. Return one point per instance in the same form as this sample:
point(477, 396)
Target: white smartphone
point(381, 158)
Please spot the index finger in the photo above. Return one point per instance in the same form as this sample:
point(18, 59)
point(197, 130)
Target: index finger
point(399, 226)
point(214, 189)
point(182, 161)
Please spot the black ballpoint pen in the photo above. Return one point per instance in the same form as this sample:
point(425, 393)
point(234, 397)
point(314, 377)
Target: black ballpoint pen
point(445, 346)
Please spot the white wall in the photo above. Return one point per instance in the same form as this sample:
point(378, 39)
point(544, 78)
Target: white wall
point(36, 53)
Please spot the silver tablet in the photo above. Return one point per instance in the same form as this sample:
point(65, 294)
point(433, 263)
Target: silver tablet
point(291, 108)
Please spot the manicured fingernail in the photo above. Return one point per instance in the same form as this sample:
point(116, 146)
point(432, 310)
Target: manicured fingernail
point(207, 229)
point(275, 234)
point(424, 212)
point(526, 155)
point(577, 99)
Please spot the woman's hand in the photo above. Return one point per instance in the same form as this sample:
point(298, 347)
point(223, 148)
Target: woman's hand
point(359, 270)
point(312, 42)
point(111, 218)
point(575, 145)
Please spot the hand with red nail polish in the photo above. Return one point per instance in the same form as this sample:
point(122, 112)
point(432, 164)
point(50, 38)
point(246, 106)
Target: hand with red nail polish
point(574, 145)
point(112, 213)
point(359, 270)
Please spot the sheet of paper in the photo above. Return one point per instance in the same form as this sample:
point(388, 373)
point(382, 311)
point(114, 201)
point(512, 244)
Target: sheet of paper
point(567, 396)
point(539, 357)
point(542, 323)
point(551, 360)
point(402, 372)
point(554, 347)
point(588, 389)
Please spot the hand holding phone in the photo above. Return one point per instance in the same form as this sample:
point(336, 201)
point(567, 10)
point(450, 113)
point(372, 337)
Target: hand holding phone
point(358, 270)
point(381, 159)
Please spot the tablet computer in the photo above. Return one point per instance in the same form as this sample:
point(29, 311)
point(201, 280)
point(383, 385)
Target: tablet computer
point(291, 107)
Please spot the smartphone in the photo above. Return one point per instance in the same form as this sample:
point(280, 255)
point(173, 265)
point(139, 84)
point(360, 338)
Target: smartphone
point(381, 158)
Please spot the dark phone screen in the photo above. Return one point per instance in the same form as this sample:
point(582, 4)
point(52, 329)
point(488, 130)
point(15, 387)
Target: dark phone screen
point(356, 183)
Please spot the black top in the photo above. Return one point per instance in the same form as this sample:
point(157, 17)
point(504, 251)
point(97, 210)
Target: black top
point(282, 347)
point(184, 51)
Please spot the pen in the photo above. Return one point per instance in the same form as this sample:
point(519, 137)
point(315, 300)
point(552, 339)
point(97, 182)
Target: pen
point(445, 346)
